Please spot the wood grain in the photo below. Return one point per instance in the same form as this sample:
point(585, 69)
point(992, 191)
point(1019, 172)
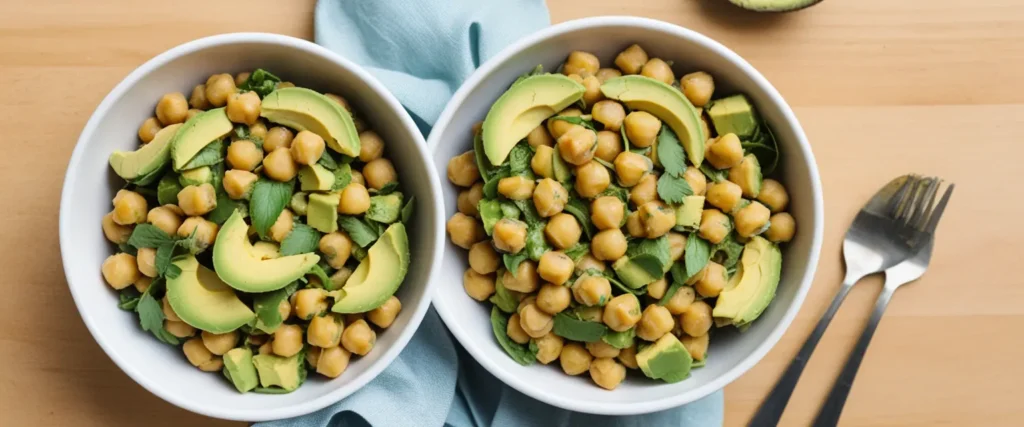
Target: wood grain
point(882, 87)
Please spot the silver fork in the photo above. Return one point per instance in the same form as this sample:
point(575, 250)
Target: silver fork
point(870, 246)
point(923, 218)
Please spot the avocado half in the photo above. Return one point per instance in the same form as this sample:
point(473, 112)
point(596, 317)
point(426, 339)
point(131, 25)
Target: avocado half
point(774, 5)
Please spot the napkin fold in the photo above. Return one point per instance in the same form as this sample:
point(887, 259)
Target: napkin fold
point(423, 50)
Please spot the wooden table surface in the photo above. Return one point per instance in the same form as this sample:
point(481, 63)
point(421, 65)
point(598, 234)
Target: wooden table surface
point(882, 87)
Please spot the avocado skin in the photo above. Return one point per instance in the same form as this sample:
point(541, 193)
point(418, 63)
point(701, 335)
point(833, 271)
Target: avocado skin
point(782, 5)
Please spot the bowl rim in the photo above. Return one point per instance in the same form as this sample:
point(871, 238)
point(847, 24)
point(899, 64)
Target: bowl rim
point(422, 155)
point(606, 408)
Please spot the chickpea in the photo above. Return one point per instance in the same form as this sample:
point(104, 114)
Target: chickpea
point(509, 235)
point(555, 267)
point(644, 191)
point(238, 184)
point(282, 226)
point(631, 167)
point(609, 145)
point(641, 128)
point(553, 299)
point(714, 225)
point(724, 195)
point(197, 200)
point(163, 217)
point(659, 70)
point(589, 314)
point(516, 187)
point(199, 356)
point(539, 136)
point(198, 99)
point(287, 340)
point(577, 145)
point(676, 244)
point(592, 291)
point(657, 288)
point(548, 348)
point(713, 281)
point(696, 320)
point(606, 74)
point(752, 219)
point(243, 107)
point(635, 226)
point(115, 232)
point(588, 262)
point(129, 208)
point(265, 348)
point(385, 315)
point(168, 311)
point(534, 321)
point(557, 128)
point(309, 302)
point(482, 258)
point(606, 212)
point(146, 259)
point(279, 165)
point(218, 88)
point(549, 197)
point(608, 245)
point(379, 172)
point(284, 309)
point(515, 331)
point(142, 283)
point(241, 78)
point(747, 167)
point(148, 129)
point(655, 322)
point(325, 331)
point(581, 63)
point(600, 349)
point(172, 108)
point(340, 101)
point(351, 318)
point(469, 200)
point(782, 227)
point(696, 179)
point(120, 270)
point(277, 137)
point(622, 312)
point(542, 161)
point(258, 130)
point(575, 359)
point(478, 286)
point(696, 346)
point(656, 218)
point(462, 169)
point(179, 329)
point(525, 280)
point(355, 199)
point(627, 357)
point(610, 114)
point(773, 195)
point(220, 343)
point(336, 247)
point(332, 362)
point(464, 230)
point(563, 231)
point(307, 147)
point(631, 60)
point(313, 356)
point(724, 152)
point(592, 179)
point(592, 92)
point(371, 146)
point(698, 88)
point(681, 300)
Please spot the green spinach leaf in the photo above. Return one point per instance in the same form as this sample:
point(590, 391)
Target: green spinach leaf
point(499, 325)
point(579, 209)
point(536, 245)
point(571, 328)
point(503, 298)
point(148, 236)
point(512, 261)
point(268, 200)
point(360, 232)
point(302, 239)
point(167, 189)
point(210, 155)
point(673, 189)
point(619, 340)
point(696, 255)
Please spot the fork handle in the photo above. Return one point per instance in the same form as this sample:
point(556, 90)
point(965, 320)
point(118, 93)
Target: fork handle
point(829, 413)
point(771, 409)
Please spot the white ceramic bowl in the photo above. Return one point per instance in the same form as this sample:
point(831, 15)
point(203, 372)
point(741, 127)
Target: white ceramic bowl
point(731, 353)
point(89, 186)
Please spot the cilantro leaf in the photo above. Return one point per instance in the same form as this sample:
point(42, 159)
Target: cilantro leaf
point(670, 152)
point(673, 189)
point(148, 236)
point(268, 200)
point(163, 258)
point(128, 299)
point(302, 239)
point(260, 81)
point(696, 255)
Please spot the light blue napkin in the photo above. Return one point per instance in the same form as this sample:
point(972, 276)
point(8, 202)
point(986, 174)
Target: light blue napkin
point(422, 50)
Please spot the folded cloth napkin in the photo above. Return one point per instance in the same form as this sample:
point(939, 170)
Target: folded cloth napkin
point(422, 50)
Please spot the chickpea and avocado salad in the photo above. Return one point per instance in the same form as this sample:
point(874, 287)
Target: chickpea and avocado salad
point(261, 229)
point(614, 215)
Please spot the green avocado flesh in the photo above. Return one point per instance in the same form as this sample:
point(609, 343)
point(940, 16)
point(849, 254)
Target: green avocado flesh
point(666, 103)
point(735, 115)
point(379, 275)
point(203, 301)
point(774, 5)
point(761, 269)
point(667, 360)
point(244, 269)
point(689, 213)
point(151, 157)
point(522, 108)
point(276, 371)
point(322, 211)
point(239, 369)
point(315, 178)
point(304, 109)
point(197, 133)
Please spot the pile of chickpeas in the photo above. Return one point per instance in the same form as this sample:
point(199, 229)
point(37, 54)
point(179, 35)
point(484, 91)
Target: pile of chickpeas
point(328, 338)
point(555, 282)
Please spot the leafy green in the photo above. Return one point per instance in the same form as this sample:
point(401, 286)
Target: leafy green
point(673, 189)
point(491, 185)
point(302, 239)
point(210, 155)
point(261, 82)
point(529, 212)
point(148, 236)
point(342, 177)
point(539, 69)
point(167, 189)
point(696, 255)
point(149, 178)
point(727, 252)
point(649, 263)
point(509, 210)
point(625, 139)
point(490, 213)
point(658, 248)
point(225, 207)
point(482, 163)
point(325, 279)
point(576, 120)
point(360, 232)
point(408, 209)
point(763, 146)
point(512, 261)
point(265, 305)
point(616, 191)
point(385, 209)
point(503, 298)
point(128, 249)
point(621, 286)
point(128, 298)
point(327, 160)
point(151, 314)
point(268, 200)
point(499, 325)
point(579, 209)
point(569, 327)
point(619, 340)
point(519, 159)
point(670, 152)
point(536, 245)
point(163, 258)
point(388, 188)
point(578, 251)
point(713, 174)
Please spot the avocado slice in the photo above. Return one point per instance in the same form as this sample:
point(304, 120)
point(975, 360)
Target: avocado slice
point(148, 159)
point(666, 360)
point(774, 5)
point(238, 369)
point(266, 250)
point(285, 372)
point(379, 275)
point(197, 176)
point(638, 271)
point(385, 209)
point(688, 214)
point(761, 264)
point(197, 133)
point(736, 115)
point(304, 109)
point(665, 102)
point(523, 107)
point(242, 268)
point(315, 178)
point(203, 301)
point(747, 175)
point(322, 211)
